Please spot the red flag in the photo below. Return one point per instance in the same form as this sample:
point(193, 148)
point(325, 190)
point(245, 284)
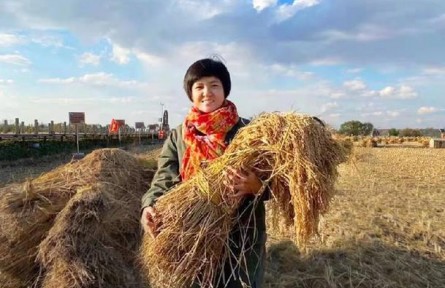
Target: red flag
point(114, 126)
point(161, 134)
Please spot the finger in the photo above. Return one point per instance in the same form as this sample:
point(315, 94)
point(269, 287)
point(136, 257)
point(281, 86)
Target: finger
point(239, 186)
point(236, 173)
point(150, 232)
point(238, 194)
point(152, 229)
point(152, 211)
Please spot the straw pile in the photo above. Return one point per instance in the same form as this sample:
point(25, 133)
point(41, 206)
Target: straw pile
point(93, 240)
point(296, 157)
point(107, 177)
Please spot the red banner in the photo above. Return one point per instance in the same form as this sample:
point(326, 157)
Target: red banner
point(114, 126)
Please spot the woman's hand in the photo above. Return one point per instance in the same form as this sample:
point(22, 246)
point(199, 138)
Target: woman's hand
point(242, 183)
point(148, 221)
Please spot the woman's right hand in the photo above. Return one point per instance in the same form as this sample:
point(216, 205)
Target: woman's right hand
point(148, 221)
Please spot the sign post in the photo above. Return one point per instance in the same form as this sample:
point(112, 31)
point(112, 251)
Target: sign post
point(77, 118)
point(120, 123)
point(139, 126)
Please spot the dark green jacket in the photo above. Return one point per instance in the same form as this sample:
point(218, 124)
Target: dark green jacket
point(253, 212)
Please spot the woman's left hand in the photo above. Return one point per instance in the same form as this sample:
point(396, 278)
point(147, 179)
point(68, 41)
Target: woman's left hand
point(242, 183)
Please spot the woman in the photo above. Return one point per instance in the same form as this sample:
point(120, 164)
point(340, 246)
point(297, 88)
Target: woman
point(210, 125)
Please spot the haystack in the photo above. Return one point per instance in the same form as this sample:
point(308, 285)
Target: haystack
point(28, 210)
point(93, 240)
point(297, 158)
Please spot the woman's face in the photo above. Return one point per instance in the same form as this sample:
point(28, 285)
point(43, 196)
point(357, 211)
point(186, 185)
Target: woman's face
point(208, 94)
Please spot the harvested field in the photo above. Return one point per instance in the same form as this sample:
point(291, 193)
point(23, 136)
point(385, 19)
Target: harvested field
point(385, 227)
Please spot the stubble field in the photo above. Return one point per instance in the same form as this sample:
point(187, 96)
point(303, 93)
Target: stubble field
point(385, 227)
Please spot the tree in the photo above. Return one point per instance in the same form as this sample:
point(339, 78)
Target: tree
point(393, 132)
point(367, 128)
point(408, 132)
point(356, 128)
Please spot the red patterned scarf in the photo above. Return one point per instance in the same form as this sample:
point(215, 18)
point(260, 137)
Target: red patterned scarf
point(204, 135)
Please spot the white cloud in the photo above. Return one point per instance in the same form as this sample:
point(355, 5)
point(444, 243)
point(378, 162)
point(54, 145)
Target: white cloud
point(63, 100)
point(365, 33)
point(337, 95)
point(10, 40)
point(99, 79)
point(260, 5)
point(426, 110)
point(96, 79)
point(122, 100)
point(439, 20)
point(407, 92)
point(149, 59)
point(434, 71)
point(286, 11)
point(387, 91)
point(6, 81)
point(201, 9)
point(402, 92)
point(369, 93)
point(328, 106)
point(374, 113)
point(49, 41)
point(354, 85)
point(90, 58)
point(120, 55)
point(58, 80)
point(290, 71)
point(393, 114)
point(10, 104)
point(354, 70)
point(328, 61)
point(334, 115)
point(15, 59)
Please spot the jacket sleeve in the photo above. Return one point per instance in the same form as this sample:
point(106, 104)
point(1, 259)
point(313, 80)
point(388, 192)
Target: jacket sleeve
point(167, 174)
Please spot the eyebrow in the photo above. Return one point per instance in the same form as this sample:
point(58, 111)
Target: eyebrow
point(211, 82)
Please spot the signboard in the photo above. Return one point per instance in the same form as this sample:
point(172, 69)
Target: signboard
point(120, 122)
point(153, 127)
point(77, 117)
point(139, 125)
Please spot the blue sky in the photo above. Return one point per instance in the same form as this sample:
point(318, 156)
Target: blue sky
point(374, 61)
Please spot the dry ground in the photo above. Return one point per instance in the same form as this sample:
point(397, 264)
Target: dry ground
point(385, 227)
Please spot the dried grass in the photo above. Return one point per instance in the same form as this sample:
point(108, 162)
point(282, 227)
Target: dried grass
point(94, 239)
point(385, 227)
point(298, 159)
point(28, 210)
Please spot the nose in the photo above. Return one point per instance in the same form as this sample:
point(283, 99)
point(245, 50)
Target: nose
point(207, 91)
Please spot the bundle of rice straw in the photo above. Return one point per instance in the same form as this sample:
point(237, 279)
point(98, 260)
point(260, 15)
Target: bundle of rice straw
point(94, 240)
point(28, 210)
point(298, 159)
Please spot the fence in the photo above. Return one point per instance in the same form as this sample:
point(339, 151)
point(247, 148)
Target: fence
point(19, 130)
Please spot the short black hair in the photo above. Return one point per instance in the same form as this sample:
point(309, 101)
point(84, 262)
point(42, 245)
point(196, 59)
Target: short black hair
point(206, 68)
